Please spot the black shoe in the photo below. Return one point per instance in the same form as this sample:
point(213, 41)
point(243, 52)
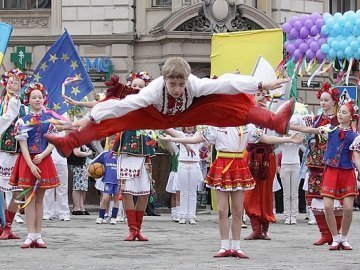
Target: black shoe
point(154, 214)
point(76, 213)
point(85, 212)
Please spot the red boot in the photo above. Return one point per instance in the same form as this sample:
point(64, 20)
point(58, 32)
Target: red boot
point(264, 230)
point(139, 219)
point(75, 139)
point(256, 227)
point(7, 232)
point(132, 224)
point(324, 230)
point(267, 119)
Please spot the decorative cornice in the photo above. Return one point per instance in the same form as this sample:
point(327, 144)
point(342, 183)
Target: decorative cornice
point(99, 40)
point(26, 22)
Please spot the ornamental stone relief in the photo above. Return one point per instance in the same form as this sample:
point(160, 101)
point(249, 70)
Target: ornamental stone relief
point(25, 22)
point(218, 16)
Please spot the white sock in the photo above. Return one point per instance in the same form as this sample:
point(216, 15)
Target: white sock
point(177, 211)
point(336, 238)
point(235, 244)
point(343, 238)
point(225, 244)
point(31, 236)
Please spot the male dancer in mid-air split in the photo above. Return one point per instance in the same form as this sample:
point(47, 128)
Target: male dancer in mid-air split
point(179, 99)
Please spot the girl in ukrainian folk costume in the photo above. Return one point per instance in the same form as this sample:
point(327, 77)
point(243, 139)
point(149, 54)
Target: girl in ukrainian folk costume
point(339, 180)
point(34, 168)
point(329, 98)
point(10, 109)
point(230, 176)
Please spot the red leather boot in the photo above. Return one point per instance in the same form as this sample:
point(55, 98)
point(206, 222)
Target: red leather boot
point(139, 219)
point(267, 119)
point(74, 139)
point(256, 229)
point(264, 230)
point(132, 224)
point(324, 230)
point(7, 232)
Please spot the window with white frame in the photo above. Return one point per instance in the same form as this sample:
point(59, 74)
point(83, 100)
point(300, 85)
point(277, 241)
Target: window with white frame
point(161, 3)
point(25, 4)
point(343, 5)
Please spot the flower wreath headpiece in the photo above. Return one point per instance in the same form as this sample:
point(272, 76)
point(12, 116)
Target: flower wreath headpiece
point(31, 87)
point(16, 72)
point(141, 75)
point(326, 88)
point(352, 108)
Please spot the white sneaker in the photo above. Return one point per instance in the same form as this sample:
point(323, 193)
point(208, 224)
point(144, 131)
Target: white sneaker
point(18, 219)
point(287, 221)
point(64, 219)
point(100, 220)
point(182, 221)
point(113, 221)
point(312, 222)
point(192, 221)
point(120, 219)
point(293, 220)
point(47, 218)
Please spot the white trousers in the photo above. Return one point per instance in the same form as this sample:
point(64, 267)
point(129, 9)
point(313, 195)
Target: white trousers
point(56, 199)
point(189, 175)
point(290, 180)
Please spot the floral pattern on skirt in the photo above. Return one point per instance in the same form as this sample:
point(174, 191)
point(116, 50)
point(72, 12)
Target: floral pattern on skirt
point(80, 177)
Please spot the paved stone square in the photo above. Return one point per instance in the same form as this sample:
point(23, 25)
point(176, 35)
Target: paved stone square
point(82, 244)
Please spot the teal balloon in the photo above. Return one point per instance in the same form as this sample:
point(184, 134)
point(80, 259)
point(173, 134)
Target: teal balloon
point(340, 54)
point(349, 52)
point(343, 44)
point(354, 45)
point(325, 48)
point(332, 54)
point(335, 45)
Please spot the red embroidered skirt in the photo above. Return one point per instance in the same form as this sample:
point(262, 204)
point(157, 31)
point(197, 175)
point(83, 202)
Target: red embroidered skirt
point(339, 183)
point(21, 175)
point(237, 177)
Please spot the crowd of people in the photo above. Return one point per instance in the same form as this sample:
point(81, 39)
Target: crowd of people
point(233, 111)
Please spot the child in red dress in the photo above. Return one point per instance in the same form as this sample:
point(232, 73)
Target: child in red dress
point(34, 168)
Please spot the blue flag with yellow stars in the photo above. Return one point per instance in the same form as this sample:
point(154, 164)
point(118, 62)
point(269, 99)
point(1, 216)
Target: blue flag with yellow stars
point(61, 63)
point(5, 32)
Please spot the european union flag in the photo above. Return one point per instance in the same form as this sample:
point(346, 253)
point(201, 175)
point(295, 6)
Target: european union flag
point(60, 62)
point(5, 32)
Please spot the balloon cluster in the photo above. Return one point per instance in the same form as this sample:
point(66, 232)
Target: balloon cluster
point(344, 35)
point(305, 37)
point(318, 36)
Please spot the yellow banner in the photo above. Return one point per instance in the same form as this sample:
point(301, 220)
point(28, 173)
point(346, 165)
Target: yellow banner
point(240, 50)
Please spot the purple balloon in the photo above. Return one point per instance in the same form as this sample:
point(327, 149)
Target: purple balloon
point(293, 34)
point(314, 46)
point(308, 23)
point(320, 55)
point(298, 54)
point(291, 48)
point(321, 41)
point(286, 27)
point(304, 32)
point(319, 23)
point(315, 16)
point(298, 25)
point(298, 42)
point(293, 19)
point(304, 17)
point(303, 47)
point(310, 54)
point(314, 30)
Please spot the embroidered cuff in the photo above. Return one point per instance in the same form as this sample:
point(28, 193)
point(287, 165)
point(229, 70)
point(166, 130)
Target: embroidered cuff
point(92, 119)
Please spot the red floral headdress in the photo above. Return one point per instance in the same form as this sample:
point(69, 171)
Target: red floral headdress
point(138, 75)
point(326, 88)
point(13, 73)
point(352, 108)
point(31, 87)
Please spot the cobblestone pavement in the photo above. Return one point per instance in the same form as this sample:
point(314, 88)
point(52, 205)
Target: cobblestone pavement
point(82, 244)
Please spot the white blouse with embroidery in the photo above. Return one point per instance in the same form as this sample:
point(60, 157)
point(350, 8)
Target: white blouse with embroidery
point(157, 95)
point(232, 139)
point(355, 146)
